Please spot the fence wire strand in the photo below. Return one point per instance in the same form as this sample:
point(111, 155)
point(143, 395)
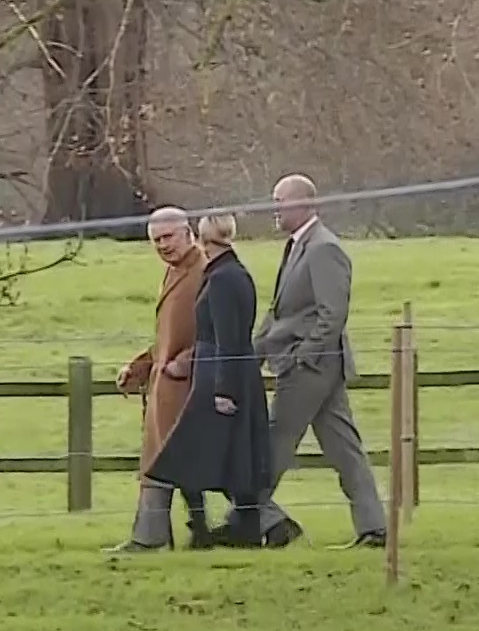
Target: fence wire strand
point(72, 227)
point(124, 338)
point(13, 515)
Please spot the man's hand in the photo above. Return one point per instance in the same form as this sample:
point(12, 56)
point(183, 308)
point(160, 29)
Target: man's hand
point(225, 406)
point(176, 370)
point(124, 375)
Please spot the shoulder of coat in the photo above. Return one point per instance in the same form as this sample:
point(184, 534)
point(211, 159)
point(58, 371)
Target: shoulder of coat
point(323, 237)
point(230, 271)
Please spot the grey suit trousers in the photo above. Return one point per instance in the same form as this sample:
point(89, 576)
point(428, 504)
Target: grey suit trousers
point(152, 525)
point(304, 397)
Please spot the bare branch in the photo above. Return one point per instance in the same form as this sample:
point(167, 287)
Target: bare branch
point(17, 30)
point(11, 271)
point(213, 42)
point(109, 136)
point(68, 256)
point(13, 175)
point(34, 33)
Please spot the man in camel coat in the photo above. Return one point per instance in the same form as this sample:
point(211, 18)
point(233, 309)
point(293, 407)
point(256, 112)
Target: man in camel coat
point(165, 369)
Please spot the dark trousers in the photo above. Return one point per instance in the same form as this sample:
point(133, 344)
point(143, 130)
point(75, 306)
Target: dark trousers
point(247, 530)
point(195, 502)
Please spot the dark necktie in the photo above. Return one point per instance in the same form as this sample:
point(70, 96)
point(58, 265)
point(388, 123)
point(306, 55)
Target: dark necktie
point(287, 251)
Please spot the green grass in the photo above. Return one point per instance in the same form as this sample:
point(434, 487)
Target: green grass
point(52, 575)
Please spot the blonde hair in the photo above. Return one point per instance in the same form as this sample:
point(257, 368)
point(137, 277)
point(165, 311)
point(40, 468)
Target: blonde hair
point(220, 228)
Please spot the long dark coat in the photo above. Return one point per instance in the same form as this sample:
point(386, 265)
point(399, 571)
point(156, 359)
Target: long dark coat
point(208, 451)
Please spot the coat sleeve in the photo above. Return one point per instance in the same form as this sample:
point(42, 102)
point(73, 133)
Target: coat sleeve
point(330, 274)
point(224, 313)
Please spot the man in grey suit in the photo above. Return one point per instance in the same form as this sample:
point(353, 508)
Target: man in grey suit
point(303, 337)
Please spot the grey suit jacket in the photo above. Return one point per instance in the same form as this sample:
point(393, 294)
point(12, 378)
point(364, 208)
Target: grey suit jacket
point(307, 321)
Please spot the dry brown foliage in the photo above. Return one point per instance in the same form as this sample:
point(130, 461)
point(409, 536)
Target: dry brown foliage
point(209, 101)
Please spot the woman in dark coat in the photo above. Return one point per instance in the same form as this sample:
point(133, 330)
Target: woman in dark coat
point(221, 442)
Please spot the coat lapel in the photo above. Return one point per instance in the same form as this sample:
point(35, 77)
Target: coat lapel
point(296, 255)
point(170, 286)
point(174, 276)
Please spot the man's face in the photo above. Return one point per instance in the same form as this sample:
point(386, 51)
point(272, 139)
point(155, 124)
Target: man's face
point(171, 241)
point(288, 218)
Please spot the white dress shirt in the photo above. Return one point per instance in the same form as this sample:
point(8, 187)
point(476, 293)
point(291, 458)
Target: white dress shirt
point(298, 233)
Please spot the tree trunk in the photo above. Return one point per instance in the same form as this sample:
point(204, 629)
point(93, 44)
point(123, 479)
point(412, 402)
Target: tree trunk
point(97, 148)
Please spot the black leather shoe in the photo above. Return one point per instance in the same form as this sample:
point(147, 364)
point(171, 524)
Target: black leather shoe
point(201, 541)
point(283, 534)
point(226, 537)
point(375, 539)
point(221, 535)
point(201, 537)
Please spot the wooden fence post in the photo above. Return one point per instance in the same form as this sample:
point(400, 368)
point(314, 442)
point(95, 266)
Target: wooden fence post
point(416, 430)
point(80, 460)
point(407, 423)
point(392, 538)
point(408, 322)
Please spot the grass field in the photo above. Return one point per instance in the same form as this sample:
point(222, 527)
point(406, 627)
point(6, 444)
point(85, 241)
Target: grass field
point(52, 575)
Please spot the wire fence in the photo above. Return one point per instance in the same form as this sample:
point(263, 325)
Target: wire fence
point(128, 336)
point(435, 493)
point(446, 438)
point(68, 228)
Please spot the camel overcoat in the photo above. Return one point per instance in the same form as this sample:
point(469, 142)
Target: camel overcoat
point(175, 339)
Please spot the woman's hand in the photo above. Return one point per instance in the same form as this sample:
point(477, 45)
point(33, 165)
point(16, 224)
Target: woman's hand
point(225, 406)
point(176, 369)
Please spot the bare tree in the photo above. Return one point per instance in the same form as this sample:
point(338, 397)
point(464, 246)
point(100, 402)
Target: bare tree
point(15, 260)
point(95, 108)
point(357, 94)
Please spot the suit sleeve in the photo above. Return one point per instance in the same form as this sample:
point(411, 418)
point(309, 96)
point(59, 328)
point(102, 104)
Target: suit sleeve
point(259, 341)
point(330, 274)
point(224, 312)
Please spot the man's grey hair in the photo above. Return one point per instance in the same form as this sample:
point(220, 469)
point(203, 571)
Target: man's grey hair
point(300, 183)
point(168, 214)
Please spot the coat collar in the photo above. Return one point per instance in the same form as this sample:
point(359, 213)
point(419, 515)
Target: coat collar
point(225, 257)
point(302, 230)
point(175, 275)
